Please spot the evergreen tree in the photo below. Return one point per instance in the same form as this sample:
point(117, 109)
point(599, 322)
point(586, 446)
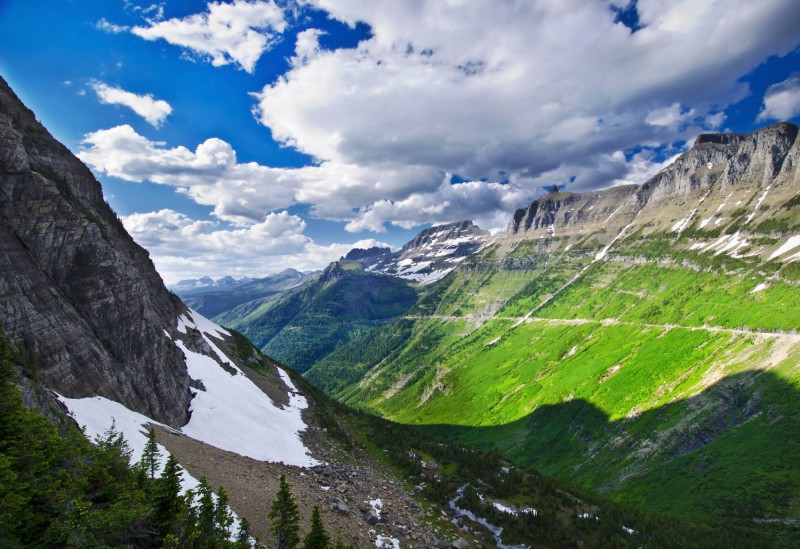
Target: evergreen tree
point(206, 516)
point(243, 535)
point(285, 518)
point(167, 502)
point(150, 455)
point(222, 515)
point(317, 537)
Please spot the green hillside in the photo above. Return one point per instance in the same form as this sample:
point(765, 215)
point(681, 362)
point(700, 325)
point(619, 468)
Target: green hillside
point(668, 381)
point(301, 326)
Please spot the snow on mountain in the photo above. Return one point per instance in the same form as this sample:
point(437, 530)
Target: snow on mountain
point(97, 414)
point(429, 256)
point(228, 410)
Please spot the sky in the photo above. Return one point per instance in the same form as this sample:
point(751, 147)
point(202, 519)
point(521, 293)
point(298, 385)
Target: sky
point(243, 137)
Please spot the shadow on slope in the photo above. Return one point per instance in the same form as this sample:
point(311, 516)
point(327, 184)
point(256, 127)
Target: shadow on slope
point(731, 453)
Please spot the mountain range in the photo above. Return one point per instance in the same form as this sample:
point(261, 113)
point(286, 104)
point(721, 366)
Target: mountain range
point(640, 340)
point(637, 346)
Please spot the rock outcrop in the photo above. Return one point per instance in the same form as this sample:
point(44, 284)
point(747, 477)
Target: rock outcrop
point(84, 298)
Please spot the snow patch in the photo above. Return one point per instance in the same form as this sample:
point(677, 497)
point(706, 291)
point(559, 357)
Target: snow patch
point(683, 223)
point(387, 542)
point(377, 505)
point(760, 287)
point(195, 320)
point(790, 244)
point(492, 342)
point(96, 414)
point(504, 508)
point(233, 414)
point(760, 200)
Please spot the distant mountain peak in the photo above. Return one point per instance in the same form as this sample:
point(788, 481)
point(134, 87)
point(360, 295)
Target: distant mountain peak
point(427, 257)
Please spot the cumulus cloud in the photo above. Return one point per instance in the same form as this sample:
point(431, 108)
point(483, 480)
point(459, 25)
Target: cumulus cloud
point(182, 247)
point(782, 100)
point(239, 192)
point(511, 96)
point(153, 110)
point(227, 33)
point(518, 86)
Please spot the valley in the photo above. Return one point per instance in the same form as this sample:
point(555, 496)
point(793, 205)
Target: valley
point(617, 368)
point(641, 341)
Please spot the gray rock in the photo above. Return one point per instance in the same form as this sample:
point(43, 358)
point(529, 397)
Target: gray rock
point(75, 288)
point(371, 517)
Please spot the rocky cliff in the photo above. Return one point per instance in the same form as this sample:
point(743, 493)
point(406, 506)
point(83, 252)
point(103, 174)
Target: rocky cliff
point(74, 287)
point(726, 184)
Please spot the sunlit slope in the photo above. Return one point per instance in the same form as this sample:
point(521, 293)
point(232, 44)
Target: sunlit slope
point(640, 340)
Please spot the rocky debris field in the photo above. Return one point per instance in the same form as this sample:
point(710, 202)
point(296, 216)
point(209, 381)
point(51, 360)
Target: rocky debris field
point(360, 499)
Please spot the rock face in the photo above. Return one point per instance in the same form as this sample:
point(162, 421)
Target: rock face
point(429, 256)
point(74, 287)
point(726, 182)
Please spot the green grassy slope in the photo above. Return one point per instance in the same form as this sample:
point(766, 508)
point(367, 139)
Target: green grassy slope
point(307, 323)
point(665, 381)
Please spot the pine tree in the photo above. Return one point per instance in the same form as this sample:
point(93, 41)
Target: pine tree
point(206, 516)
point(243, 535)
point(317, 537)
point(150, 455)
point(222, 515)
point(285, 518)
point(167, 502)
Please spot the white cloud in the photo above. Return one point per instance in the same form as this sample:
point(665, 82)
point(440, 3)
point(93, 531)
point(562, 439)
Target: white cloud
point(182, 247)
point(366, 198)
point(238, 32)
point(110, 28)
point(533, 93)
point(306, 46)
point(153, 110)
point(474, 88)
point(210, 175)
point(782, 100)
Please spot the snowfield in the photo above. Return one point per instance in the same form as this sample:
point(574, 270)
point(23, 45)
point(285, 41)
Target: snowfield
point(96, 414)
point(232, 413)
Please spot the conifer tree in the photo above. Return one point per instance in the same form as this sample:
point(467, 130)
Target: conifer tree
point(167, 502)
point(243, 535)
point(222, 515)
point(150, 455)
point(317, 537)
point(285, 518)
point(206, 515)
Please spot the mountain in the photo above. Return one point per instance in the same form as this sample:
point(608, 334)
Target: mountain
point(353, 296)
point(210, 297)
point(302, 325)
point(639, 340)
point(93, 331)
point(429, 256)
point(79, 292)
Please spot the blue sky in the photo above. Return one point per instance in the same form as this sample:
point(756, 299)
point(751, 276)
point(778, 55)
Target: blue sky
point(243, 137)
